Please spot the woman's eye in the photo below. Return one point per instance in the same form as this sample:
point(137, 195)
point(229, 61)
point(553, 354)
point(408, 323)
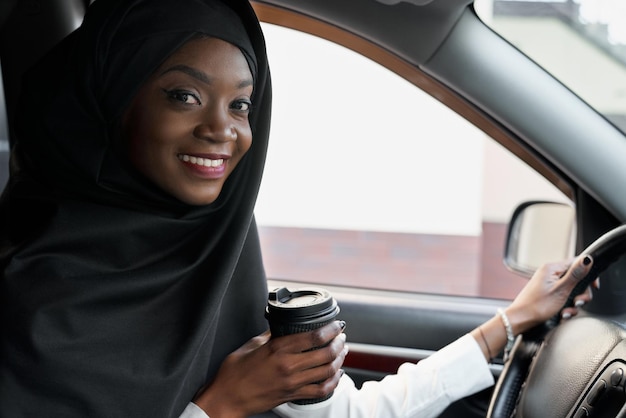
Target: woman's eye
point(183, 96)
point(242, 105)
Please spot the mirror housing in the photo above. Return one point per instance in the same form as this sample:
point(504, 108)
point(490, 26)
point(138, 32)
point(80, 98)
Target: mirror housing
point(539, 232)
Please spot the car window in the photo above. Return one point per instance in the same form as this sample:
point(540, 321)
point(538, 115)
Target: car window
point(370, 182)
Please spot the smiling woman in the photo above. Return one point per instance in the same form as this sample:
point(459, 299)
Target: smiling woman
point(187, 128)
point(118, 289)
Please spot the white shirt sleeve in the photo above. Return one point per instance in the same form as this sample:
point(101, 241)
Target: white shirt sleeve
point(420, 390)
point(193, 411)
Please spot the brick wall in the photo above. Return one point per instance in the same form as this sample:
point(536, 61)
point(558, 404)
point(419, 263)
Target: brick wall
point(443, 264)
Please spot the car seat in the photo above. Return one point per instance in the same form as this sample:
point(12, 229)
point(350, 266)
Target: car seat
point(28, 29)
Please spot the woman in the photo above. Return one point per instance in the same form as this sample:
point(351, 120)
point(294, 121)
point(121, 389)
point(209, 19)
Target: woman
point(132, 277)
point(125, 284)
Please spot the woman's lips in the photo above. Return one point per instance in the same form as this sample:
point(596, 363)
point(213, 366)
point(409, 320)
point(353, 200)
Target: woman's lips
point(204, 166)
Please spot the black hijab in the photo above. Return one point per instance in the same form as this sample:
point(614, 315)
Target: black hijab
point(116, 299)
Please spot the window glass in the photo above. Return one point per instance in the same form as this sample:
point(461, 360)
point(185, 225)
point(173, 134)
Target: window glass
point(371, 182)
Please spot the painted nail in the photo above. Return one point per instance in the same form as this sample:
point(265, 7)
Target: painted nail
point(342, 324)
point(566, 315)
point(587, 260)
point(579, 303)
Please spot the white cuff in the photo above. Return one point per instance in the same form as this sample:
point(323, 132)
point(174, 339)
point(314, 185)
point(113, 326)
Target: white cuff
point(193, 411)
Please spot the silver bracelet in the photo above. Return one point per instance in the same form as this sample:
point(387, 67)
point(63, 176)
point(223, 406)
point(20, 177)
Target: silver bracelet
point(510, 337)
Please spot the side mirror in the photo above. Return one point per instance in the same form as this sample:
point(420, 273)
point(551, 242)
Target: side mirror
point(539, 232)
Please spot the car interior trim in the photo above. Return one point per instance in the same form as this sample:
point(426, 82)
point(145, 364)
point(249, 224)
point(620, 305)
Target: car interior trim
point(547, 121)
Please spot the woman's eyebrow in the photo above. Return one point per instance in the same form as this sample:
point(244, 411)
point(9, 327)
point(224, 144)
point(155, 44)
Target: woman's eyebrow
point(199, 75)
point(245, 83)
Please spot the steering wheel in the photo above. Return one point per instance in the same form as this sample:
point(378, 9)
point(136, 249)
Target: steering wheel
point(542, 357)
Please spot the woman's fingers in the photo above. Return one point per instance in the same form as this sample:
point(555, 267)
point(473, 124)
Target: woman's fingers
point(578, 271)
point(313, 356)
point(266, 372)
point(547, 292)
point(318, 364)
point(319, 389)
point(320, 376)
point(579, 301)
point(307, 341)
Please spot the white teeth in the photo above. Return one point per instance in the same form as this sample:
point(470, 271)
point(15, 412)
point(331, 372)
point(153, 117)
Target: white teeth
point(206, 162)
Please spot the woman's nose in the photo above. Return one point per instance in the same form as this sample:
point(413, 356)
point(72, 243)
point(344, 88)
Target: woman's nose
point(215, 126)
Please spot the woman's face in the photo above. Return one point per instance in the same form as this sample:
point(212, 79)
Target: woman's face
point(187, 127)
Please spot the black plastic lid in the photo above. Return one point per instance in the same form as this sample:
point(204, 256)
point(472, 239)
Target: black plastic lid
point(301, 305)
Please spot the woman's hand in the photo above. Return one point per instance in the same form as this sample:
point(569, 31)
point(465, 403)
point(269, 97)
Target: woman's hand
point(542, 298)
point(267, 372)
point(547, 291)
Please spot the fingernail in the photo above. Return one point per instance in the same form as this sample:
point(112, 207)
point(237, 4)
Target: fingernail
point(587, 260)
point(342, 324)
point(579, 303)
point(566, 315)
point(341, 372)
point(578, 272)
